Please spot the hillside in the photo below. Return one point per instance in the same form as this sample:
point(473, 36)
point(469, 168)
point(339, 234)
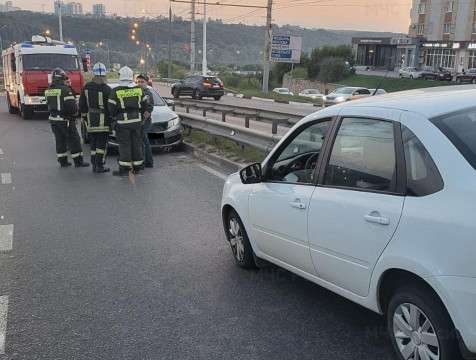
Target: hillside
point(227, 43)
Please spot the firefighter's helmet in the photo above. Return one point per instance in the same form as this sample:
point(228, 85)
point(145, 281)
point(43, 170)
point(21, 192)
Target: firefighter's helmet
point(99, 69)
point(59, 75)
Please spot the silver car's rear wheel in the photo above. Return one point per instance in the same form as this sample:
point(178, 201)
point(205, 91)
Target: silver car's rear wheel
point(415, 334)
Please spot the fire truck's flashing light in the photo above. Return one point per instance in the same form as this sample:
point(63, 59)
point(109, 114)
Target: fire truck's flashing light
point(26, 45)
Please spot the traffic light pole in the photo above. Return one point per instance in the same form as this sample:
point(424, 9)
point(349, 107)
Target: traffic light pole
point(267, 42)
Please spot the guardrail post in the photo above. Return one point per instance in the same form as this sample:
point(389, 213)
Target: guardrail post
point(187, 108)
point(247, 121)
point(274, 129)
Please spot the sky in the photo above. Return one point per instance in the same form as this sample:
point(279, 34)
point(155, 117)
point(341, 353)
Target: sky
point(375, 15)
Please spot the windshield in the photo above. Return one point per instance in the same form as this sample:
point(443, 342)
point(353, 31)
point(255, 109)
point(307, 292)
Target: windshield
point(313, 92)
point(344, 91)
point(460, 129)
point(158, 101)
point(283, 90)
point(50, 62)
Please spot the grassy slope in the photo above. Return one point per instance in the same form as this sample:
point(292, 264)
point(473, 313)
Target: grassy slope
point(390, 84)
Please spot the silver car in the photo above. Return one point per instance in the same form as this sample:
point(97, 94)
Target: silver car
point(410, 73)
point(343, 94)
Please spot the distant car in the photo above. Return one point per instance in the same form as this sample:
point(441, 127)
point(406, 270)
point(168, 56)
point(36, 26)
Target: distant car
point(199, 86)
point(166, 129)
point(410, 73)
point(283, 91)
point(379, 92)
point(343, 94)
point(468, 76)
point(431, 73)
point(311, 93)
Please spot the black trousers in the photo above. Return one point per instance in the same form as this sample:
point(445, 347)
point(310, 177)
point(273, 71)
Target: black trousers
point(98, 142)
point(129, 137)
point(66, 136)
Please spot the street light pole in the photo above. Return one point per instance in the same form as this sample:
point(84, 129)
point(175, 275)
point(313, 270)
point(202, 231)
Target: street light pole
point(60, 20)
point(192, 39)
point(169, 62)
point(204, 61)
point(267, 42)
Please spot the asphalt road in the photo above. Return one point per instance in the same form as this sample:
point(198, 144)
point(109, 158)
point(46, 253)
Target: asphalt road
point(108, 268)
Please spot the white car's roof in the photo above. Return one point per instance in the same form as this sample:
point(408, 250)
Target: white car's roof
point(429, 102)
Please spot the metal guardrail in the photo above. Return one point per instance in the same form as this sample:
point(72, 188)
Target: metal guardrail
point(273, 117)
point(242, 135)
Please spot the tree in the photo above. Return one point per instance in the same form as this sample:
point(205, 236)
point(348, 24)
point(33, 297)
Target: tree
point(318, 55)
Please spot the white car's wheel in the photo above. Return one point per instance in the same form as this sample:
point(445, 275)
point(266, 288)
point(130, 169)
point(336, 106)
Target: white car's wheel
point(419, 326)
point(239, 242)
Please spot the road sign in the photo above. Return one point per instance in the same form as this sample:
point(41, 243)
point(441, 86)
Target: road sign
point(87, 52)
point(286, 49)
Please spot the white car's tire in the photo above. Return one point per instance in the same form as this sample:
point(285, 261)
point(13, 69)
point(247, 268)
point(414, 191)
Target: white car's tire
point(239, 241)
point(418, 323)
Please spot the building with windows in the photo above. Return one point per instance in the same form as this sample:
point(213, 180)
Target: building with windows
point(74, 9)
point(8, 6)
point(60, 6)
point(99, 10)
point(447, 32)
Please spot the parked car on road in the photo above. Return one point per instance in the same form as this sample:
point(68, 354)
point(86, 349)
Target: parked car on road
point(166, 129)
point(343, 94)
point(410, 73)
point(468, 76)
point(375, 201)
point(431, 73)
point(283, 91)
point(198, 87)
point(311, 93)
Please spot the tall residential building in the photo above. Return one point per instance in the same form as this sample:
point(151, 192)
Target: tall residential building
point(74, 9)
point(99, 10)
point(60, 6)
point(8, 6)
point(447, 31)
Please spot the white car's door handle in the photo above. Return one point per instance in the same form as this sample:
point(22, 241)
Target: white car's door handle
point(377, 219)
point(298, 205)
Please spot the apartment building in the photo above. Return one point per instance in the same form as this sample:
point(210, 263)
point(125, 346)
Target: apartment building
point(447, 33)
point(99, 10)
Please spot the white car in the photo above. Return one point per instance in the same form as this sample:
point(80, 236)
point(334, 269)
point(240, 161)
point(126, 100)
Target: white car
point(377, 92)
point(283, 91)
point(346, 93)
point(311, 93)
point(374, 200)
point(410, 73)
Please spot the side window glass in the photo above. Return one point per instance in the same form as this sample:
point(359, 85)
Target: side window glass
point(423, 177)
point(363, 156)
point(296, 163)
point(365, 92)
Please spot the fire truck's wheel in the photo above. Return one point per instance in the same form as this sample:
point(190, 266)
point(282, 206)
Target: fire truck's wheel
point(26, 112)
point(11, 109)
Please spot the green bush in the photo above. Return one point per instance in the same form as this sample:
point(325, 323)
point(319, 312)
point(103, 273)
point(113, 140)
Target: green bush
point(332, 69)
point(318, 55)
point(298, 73)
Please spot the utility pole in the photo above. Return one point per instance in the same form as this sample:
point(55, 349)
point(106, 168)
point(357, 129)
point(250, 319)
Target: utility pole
point(204, 50)
point(169, 62)
point(267, 42)
point(60, 10)
point(43, 6)
point(192, 39)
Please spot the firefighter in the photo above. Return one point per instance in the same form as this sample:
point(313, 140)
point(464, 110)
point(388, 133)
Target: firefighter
point(94, 111)
point(127, 105)
point(62, 106)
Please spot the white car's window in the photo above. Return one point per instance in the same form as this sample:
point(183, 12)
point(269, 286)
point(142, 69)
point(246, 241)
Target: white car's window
point(363, 156)
point(297, 161)
point(423, 177)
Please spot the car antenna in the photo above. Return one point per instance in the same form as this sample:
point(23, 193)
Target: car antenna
point(379, 85)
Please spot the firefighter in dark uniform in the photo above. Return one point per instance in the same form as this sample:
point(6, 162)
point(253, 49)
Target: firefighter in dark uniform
point(63, 107)
point(127, 104)
point(95, 113)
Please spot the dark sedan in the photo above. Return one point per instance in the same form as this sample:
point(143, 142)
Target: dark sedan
point(468, 76)
point(431, 73)
point(198, 87)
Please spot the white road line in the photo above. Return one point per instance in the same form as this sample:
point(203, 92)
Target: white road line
point(6, 178)
point(212, 171)
point(6, 237)
point(3, 322)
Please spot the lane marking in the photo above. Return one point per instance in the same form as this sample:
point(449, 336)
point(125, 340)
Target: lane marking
point(212, 171)
point(1, 151)
point(6, 178)
point(3, 322)
point(6, 237)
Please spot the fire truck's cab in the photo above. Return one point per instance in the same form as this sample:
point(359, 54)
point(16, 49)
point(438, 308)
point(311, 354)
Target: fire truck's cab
point(27, 71)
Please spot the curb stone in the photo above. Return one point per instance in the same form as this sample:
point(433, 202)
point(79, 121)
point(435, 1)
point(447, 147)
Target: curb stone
point(225, 164)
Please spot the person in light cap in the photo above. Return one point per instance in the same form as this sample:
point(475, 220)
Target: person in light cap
point(95, 114)
point(127, 104)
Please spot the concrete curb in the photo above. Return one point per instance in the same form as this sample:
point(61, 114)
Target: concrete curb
point(212, 159)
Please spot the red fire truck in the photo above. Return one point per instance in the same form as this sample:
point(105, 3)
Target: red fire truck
point(27, 71)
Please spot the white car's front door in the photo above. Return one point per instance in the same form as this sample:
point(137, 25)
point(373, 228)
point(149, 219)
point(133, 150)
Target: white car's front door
point(279, 206)
point(356, 209)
